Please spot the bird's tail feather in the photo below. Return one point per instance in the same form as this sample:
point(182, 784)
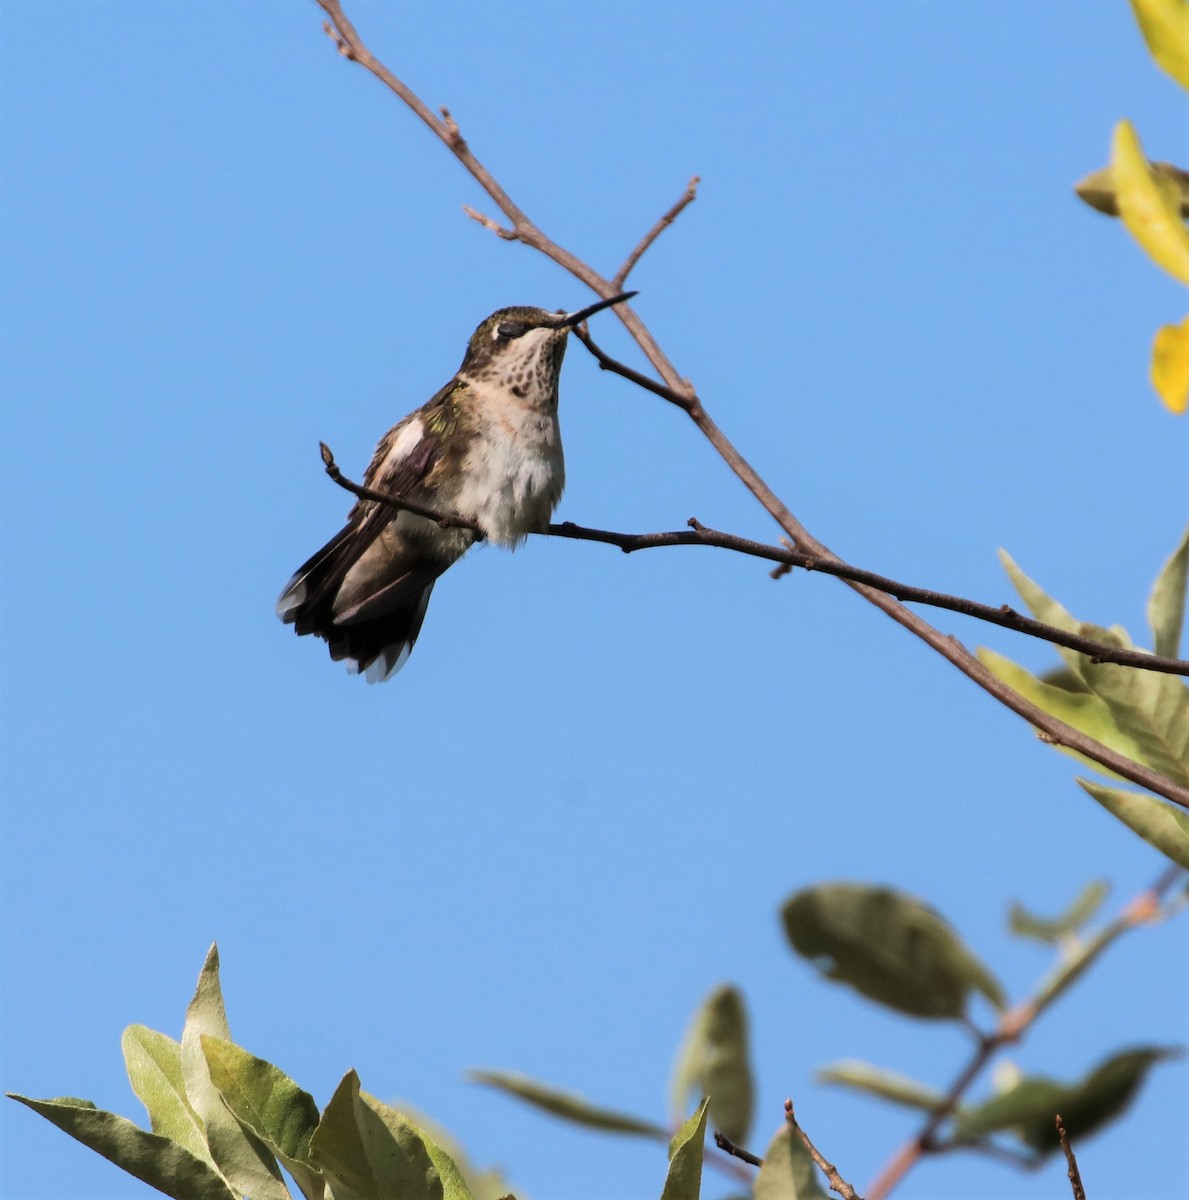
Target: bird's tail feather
point(376, 635)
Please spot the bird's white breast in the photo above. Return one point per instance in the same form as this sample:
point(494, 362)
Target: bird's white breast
point(513, 473)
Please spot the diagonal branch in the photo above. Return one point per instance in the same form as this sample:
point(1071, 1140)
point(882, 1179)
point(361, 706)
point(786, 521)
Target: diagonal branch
point(446, 129)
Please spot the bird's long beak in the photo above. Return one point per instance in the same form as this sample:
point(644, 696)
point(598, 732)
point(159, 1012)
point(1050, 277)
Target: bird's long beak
point(569, 320)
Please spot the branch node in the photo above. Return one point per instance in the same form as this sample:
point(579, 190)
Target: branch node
point(340, 42)
point(453, 135)
point(1145, 907)
point(509, 235)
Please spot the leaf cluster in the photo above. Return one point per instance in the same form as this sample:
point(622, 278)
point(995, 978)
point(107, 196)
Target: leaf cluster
point(1152, 198)
point(223, 1123)
point(868, 939)
point(895, 950)
point(1141, 714)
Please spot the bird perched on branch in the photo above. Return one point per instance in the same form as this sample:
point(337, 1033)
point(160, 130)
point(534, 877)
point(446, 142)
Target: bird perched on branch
point(486, 449)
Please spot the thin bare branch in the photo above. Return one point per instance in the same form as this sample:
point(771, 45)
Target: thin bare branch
point(445, 520)
point(688, 197)
point(699, 535)
point(684, 399)
point(350, 45)
point(1003, 615)
point(724, 1143)
point(1071, 1163)
point(836, 1182)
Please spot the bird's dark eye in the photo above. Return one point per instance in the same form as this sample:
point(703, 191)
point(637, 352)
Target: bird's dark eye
point(507, 330)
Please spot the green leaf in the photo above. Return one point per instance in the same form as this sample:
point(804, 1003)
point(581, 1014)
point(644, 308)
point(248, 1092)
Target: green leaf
point(1165, 26)
point(239, 1154)
point(788, 1173)
point(452, 1183)
point(887, 1085)
point(1152, 709)
point(368, 1150)
point(1086, 712)
point(1149, 708)
point(485, 1184)
point(713, 1063)
point(1098, 188)
point(1030, 1108)
point(567, 1105)
point(1044, 607)
point(684, 1179)
point(1104, 1094)
point(1023, 1110)
point(154, 1064)
point(1160, 824)
point(337, 1146)
point(1166, 605)
point(1064, 677)
point(263, 1097)
point(889, 946)
point(1054, 929)
point(156, 1160)
point(1149, 204)
point(265, 1100)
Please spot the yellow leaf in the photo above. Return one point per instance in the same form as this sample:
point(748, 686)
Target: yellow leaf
point(1098, 188)
point(1170, 365)
point(1149, 204)
point(1165, 26)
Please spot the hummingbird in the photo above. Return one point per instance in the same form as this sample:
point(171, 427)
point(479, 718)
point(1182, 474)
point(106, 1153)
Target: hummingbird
point(486, 448)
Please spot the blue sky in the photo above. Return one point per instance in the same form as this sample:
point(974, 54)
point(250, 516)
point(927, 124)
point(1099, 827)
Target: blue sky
point(581, 804)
